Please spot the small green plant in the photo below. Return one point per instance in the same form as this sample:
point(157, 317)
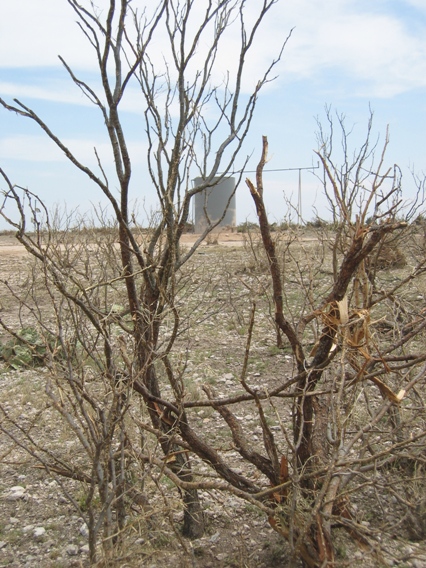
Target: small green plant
point(274, 350)
point(341, 551)
point(83, 501)
point(26, 349)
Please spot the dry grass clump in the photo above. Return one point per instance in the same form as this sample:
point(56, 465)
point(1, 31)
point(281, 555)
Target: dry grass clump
point(388, 256)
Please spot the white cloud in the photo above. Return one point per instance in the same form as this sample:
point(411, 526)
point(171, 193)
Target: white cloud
point(34, 33)
point(39, 148)
point(418, 4)
point(29, 148)
point(55, 91)
point(64, 91)
point(365, 42)
point(375, 48)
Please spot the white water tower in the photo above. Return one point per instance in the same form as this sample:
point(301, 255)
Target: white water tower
point(215, 202)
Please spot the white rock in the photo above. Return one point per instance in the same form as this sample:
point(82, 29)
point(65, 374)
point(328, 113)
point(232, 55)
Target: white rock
point(14, 496)
point(72, 550)
point(15, 493)
point(17, 488)
point(84, 531)
point(39, 531)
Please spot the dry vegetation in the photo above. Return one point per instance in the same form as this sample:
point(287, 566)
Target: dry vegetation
point(207, 405)
point(215, 296)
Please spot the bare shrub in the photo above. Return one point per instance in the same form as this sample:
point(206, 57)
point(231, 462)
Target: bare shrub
point(316, 444)
point(114, 313)
point(355, 414)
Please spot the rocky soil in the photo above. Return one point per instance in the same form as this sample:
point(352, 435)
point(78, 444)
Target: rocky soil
point(41, 527)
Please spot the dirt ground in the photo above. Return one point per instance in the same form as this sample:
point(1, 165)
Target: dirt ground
point(9, 248)
point(39, 525)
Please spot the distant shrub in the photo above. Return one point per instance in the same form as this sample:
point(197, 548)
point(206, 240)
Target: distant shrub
point(286, 225)
point(247, 226)
point(420, 221)
point(317, 223)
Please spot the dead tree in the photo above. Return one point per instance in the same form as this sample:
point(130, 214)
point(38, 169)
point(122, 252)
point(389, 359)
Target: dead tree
point(183, 142)
point(344, 355)
point(113, 297)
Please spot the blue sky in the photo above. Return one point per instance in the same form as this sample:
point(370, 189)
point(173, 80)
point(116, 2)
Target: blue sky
point(349, 54)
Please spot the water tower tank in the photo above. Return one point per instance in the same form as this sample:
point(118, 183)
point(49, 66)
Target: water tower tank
point(215, 201)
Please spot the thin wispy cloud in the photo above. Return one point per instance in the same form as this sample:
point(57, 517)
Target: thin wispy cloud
point(53, 91)
point(39, 148)
point(34, 148)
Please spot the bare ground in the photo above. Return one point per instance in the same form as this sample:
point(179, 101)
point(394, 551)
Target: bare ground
point(39, 526)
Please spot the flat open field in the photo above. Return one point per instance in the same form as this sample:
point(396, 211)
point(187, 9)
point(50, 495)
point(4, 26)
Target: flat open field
point(41, 527)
